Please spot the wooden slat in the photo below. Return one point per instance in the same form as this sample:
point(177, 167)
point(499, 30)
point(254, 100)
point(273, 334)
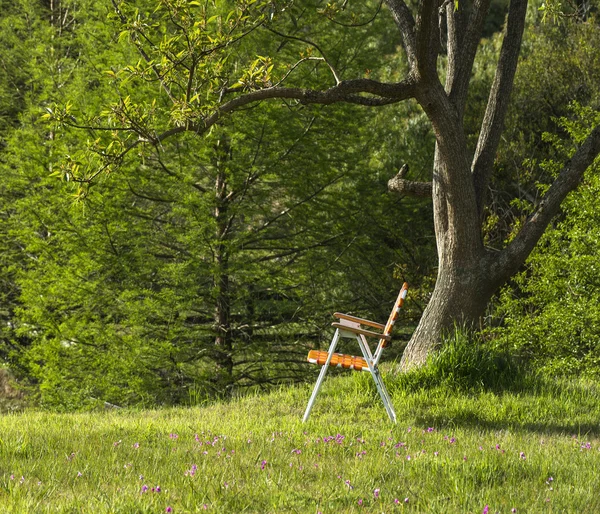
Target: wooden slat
point(373, 324)
point(366, 333)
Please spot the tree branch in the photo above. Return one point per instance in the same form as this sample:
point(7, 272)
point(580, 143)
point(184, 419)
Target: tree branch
point(458, 79)
point(493, 120)
point(308, 42)
point(406, 25)
point(513, 256)
point(399, 184)
point(428, 43)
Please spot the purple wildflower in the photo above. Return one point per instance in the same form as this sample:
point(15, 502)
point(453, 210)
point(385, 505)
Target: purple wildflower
point(263, 464)
point(168, 509)
point(486, 509)
point(522, 455)
point(144, 488)
point(376, 493)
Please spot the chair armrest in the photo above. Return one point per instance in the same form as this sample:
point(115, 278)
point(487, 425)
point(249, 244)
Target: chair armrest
point(373, 324)
point(366, 333)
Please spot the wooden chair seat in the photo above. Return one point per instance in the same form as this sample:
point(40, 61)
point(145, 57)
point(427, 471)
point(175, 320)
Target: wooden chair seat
point(338, 360)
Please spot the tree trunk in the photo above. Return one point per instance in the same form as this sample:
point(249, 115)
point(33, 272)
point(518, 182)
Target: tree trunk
point(223, 340)
point(463, 286)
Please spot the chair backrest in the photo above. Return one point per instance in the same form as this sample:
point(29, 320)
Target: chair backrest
point(395, 313)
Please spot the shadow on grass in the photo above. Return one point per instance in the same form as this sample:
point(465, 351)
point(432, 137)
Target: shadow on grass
point(586, 430)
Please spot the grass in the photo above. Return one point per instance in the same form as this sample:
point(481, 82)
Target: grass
point(534, 449)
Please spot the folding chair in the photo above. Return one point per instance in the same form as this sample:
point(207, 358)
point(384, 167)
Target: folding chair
point(350, 327)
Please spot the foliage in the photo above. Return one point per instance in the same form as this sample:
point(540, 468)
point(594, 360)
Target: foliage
point(200, 267)
point(551, 315)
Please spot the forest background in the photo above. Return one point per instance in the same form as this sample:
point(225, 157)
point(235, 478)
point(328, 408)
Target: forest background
point(208, 269)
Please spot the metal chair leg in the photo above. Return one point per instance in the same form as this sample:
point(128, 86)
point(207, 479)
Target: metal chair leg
point(374, 369)
point(322, 374)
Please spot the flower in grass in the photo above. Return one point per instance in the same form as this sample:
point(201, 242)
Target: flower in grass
point(12, 477)
point(513, 510)
point(22, 479)
point(486, 509)
point(405, 500)
point(396, 501)
point(376, 493)
point(347, 482)
point(136, 445)
point(465, 458)
point(360, 501)
point(168, 509)
point(144, 488)
point(436, 453)
point(79, 474)
point(430, 429)
point(550, 479)
point(522, 455)
point(173, 436)
point(263, 464)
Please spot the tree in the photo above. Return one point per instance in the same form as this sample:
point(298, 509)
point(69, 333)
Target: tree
point(185, 48)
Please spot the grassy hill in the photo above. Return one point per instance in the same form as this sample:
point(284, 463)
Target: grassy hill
point(531, 449)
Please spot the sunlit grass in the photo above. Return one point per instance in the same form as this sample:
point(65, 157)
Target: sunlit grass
point(533, 450)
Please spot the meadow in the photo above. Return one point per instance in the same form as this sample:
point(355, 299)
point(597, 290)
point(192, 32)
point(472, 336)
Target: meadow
point(532, 449)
